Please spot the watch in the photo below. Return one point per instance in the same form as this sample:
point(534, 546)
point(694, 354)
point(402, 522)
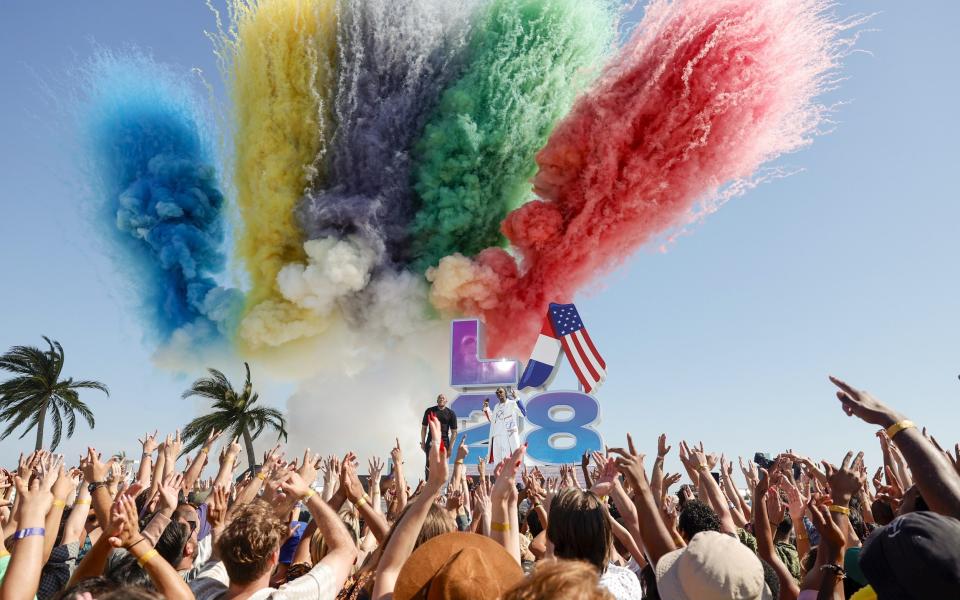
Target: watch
point(94, 485)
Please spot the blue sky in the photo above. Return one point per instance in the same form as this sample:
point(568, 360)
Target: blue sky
point(848, 267)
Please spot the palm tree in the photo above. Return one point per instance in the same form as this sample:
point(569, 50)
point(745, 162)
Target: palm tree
point(36, 388)
point(233, 413)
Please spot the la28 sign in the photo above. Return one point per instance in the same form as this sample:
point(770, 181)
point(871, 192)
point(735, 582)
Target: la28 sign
point(559, 424)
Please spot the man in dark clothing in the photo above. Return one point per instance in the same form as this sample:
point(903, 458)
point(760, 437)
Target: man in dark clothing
point(448, 429)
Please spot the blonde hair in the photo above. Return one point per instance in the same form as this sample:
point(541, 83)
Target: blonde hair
point(560, 580)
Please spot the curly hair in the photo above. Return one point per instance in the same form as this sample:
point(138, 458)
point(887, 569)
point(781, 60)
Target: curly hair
point(696, 517)
point(249, 541)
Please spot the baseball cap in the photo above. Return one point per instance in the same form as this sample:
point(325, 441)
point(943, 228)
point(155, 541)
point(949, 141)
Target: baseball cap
point(713, 566)
point(916, 555)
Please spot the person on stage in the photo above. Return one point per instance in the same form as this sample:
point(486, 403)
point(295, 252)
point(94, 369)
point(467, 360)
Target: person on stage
point(448, 430)
point(504, 425)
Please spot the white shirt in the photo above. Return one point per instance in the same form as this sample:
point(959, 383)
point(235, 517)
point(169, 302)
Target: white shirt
point(619, 581)
point(318, 584)
point(504, 419)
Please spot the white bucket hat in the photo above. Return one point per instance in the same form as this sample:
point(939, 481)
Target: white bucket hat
point(714, 566)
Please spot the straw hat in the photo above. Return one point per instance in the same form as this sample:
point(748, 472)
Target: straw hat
point(457, 565)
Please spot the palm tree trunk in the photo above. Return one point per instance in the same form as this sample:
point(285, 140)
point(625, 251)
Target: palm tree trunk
point(248, 442)
point(40, 422)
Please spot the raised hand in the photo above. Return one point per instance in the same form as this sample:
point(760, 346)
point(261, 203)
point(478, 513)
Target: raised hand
point(124, 525)
point(169, 491)
point(846, 481)
point(669, 480)
point(662, 447)
point(294, 485)
point(149, 442)
point(374, 470)
point(310, 465)
point(630, 463)
point(64, 485)
point(396, 454)
point(462, 450)
point(796, 500)
point(349, 480)
point(437, 458)
point(864, 406)
point(93, 469)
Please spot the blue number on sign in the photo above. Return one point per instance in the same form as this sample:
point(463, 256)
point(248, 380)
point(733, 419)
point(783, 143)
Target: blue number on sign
point(476, 436)
point(542, 442)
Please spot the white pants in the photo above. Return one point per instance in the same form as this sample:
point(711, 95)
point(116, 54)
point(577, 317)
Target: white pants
point(502, 446)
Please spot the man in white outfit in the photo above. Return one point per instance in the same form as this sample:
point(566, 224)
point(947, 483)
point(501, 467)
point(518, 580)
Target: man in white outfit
point(504, 420)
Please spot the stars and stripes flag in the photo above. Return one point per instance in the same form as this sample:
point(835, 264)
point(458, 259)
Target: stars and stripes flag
point(587, 363)
point(563, 331)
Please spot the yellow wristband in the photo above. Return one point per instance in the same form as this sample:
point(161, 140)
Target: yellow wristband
point(147, 557)
point(842, 510)
point(458, 462)
point(261, 477)
point(308, 495)
point(58, 503)
point(898, 427)
point(500, 526)
point(81, 501)
point(361, 501)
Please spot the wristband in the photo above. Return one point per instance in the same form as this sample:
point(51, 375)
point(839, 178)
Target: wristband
point(261, 476)
point(311, 493)
point(81, 501)
point(835, 569)
point(4, 554)
point(147, 557)
point(458, 462)
point(58, 503)
point(19, 535)
point(361, 501)
point(500, 526)
point(841, 510)
point(135, 543)
point(898, 427)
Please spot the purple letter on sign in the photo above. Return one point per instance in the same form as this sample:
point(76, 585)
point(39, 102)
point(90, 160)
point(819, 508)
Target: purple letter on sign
point(467, 367)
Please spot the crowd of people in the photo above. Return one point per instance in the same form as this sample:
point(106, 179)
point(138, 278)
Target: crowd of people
point(611, 528)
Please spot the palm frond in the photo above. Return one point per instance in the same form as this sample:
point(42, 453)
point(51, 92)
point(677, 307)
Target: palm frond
point(57, 425)
point(88, 384)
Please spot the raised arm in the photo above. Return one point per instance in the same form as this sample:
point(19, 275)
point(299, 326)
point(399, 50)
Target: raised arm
point(407, 529)
point(936, 478)
point(196, 467)
point(789, 590)
point(62, 489)
point(228, 458)
point(401, 484)
point(149, 444)
point(352, 487)
point(503, 503)
point(653, 532)
point(710, 490)
point(341, 551)
point(26, 562)
point(164, 577)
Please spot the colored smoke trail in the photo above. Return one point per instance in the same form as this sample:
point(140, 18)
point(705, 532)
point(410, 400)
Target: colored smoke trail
point(395, 58)
point(528, 60)
point(156, 195)
point(279, 60)
point(704, 94)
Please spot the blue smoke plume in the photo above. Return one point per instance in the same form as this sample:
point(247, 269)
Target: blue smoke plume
point(156, 196)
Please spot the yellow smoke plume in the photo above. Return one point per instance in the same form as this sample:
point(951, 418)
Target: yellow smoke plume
point(279, 56)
